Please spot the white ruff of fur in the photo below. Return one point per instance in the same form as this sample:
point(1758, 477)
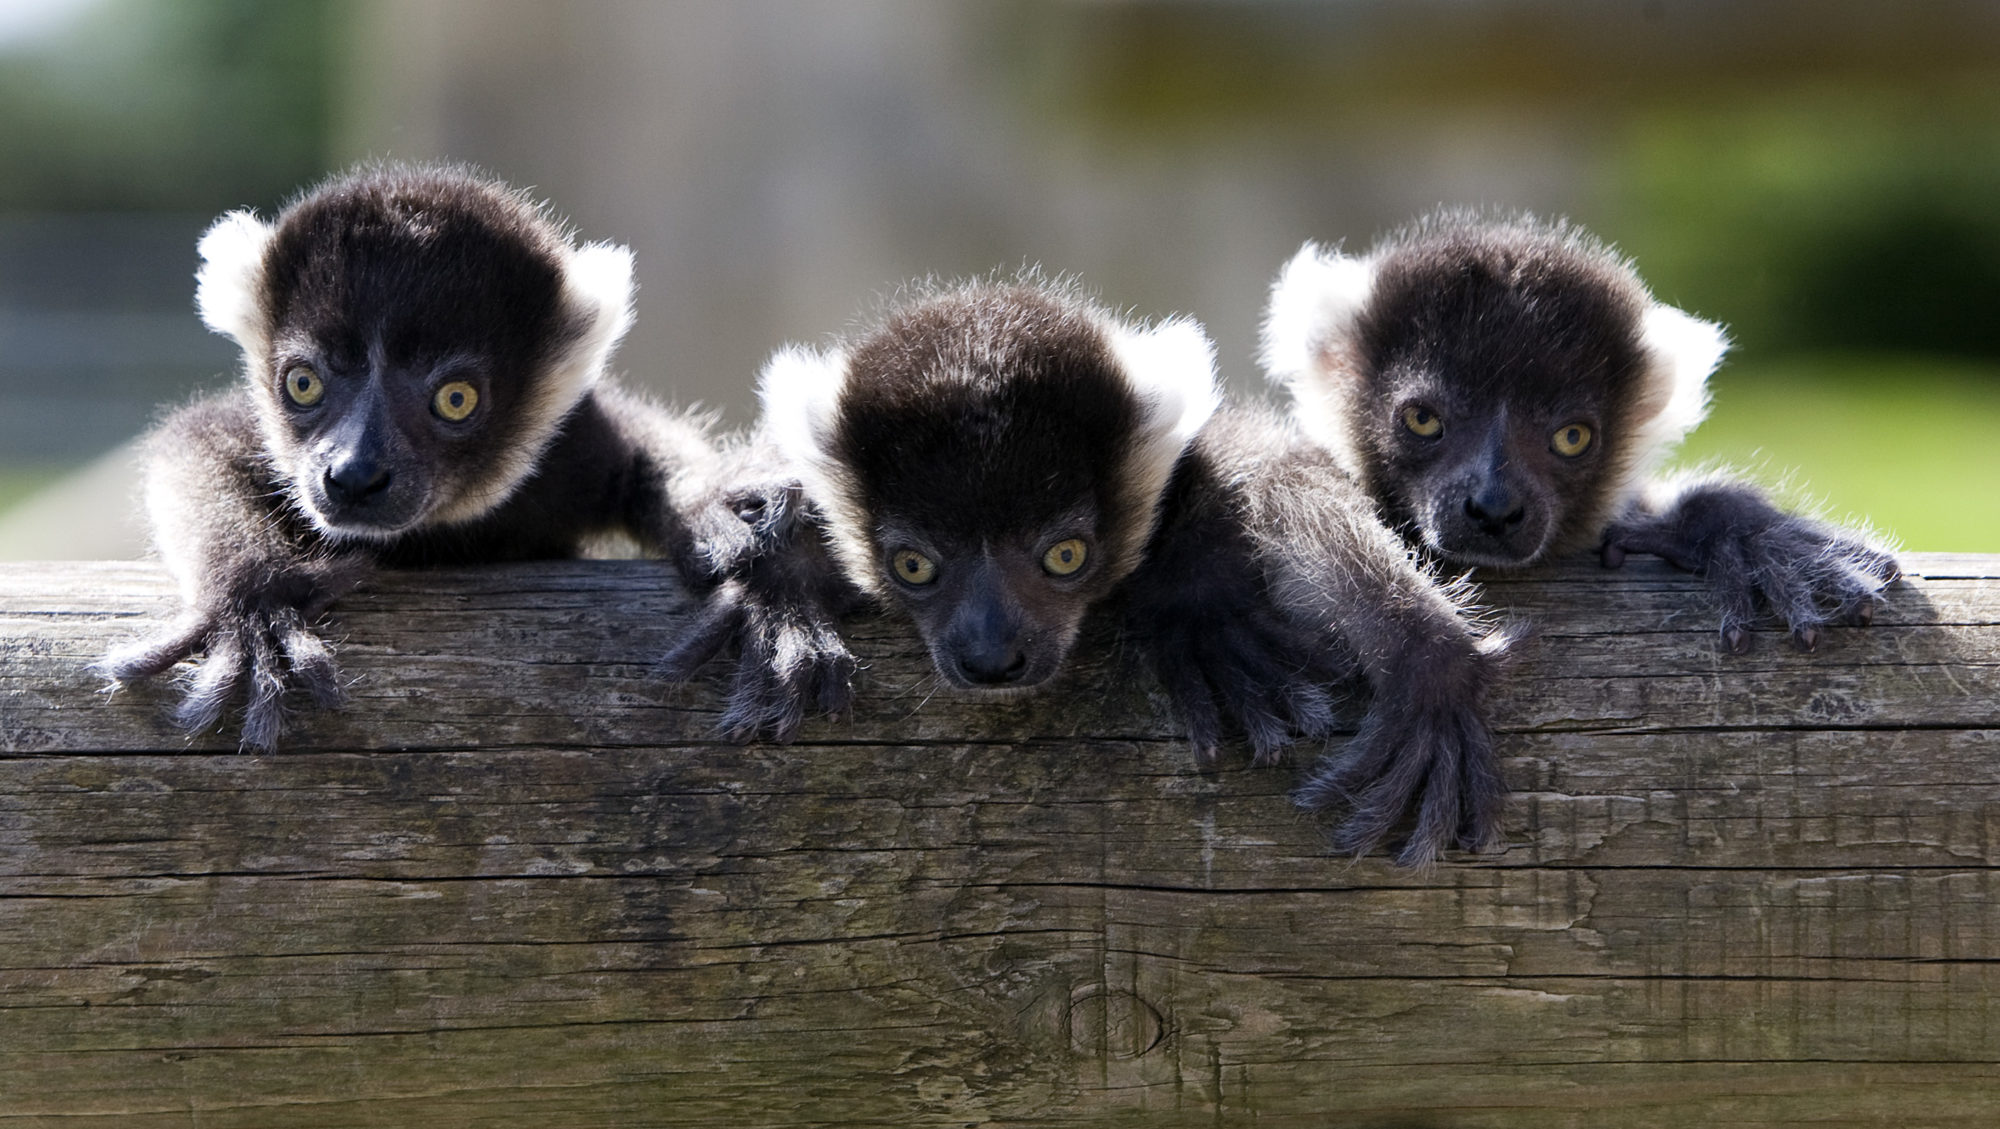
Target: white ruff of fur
point(1170, 370)
point(1683, 351)
point(597, 293)
point(1315, 303)
point(800, 393)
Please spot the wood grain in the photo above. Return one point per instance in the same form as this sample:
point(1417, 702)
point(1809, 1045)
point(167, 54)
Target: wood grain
point(515, 882)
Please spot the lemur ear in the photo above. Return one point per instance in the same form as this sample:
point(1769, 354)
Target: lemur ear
point(800, 390)
point(1682, 351)
point(1315, 303)
point(800, 393)
point(598, 285)
point(1170, 367)
point(232, 271)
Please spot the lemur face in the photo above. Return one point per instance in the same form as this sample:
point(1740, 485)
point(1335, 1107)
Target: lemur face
point(412, 340)
point(1486, 473)
point(998, 612)
point(1498, 387)
point(990, 460)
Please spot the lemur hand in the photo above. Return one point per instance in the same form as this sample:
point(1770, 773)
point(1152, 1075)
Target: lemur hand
point(778, 598)
point(261, 639)
point(1423, 745)
point(1808, 572)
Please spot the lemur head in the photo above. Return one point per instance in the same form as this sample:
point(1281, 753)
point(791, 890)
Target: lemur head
point(1499, 387)
point(991, 459)
point(413, 337)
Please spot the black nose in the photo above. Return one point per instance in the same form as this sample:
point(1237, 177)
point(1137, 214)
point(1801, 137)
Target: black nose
point(1495, 508)
point(993, 666)
point(355, 479)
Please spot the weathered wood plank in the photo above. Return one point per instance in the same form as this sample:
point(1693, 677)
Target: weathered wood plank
point(515, 883)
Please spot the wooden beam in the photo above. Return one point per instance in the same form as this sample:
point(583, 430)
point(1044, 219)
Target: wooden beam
point(515, 882)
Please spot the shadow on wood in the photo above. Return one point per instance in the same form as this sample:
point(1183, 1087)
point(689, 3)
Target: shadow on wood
point(516, 883)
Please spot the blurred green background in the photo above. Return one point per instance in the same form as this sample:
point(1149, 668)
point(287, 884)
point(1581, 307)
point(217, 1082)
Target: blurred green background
point(1821, 177)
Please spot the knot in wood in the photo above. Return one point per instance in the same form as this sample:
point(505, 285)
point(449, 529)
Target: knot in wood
point(1106, 1023)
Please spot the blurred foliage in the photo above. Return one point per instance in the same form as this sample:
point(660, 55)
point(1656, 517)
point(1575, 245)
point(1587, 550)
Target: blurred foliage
point(1824, 218)
point(1905, 443)
point(1848, 237)
point(194, 105)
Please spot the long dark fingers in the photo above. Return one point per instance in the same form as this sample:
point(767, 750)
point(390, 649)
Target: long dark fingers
point(311, 663)
point(1193, 700)
point(719, 621)
point(144, 658)
point(213, 682)
point(264, 712)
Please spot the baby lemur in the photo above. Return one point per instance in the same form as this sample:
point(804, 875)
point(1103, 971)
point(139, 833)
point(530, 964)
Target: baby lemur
point(995, 459)
point(1505, 390)
point(422, 383)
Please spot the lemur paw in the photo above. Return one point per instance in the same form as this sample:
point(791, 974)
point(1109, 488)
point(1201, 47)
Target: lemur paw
point(263, 650)
point(789, 660)
point(1424, 748)
point(737, 528)
point(1439, 762)
point(1806, 573)
point(776, 602)
point(1267, 678)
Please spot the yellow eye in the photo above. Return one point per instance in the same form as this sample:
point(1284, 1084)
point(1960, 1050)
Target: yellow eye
point(1422, 421)
point(1571, 439)
point(456, 400)
point(913, 567)
point(1064, 557)
point(304, 386)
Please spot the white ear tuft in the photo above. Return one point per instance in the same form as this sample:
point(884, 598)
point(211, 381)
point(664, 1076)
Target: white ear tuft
point(1171, 369)
point(232, 270)
point(599, 284)
point(1684, 350)
point(1317, 299)
point(800, 392)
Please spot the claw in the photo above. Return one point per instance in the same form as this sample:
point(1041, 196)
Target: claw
point(1613, 555)
point(1736, 640)
point(1806, 639)
point(1206, 755)
point(1862, 616)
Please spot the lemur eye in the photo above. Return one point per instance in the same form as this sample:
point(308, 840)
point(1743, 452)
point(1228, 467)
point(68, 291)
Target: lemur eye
point(1570, 440)
point(913, 567)
point(1064, 557)
point(456, 400)
point(304, 386)
point(1422, 421)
